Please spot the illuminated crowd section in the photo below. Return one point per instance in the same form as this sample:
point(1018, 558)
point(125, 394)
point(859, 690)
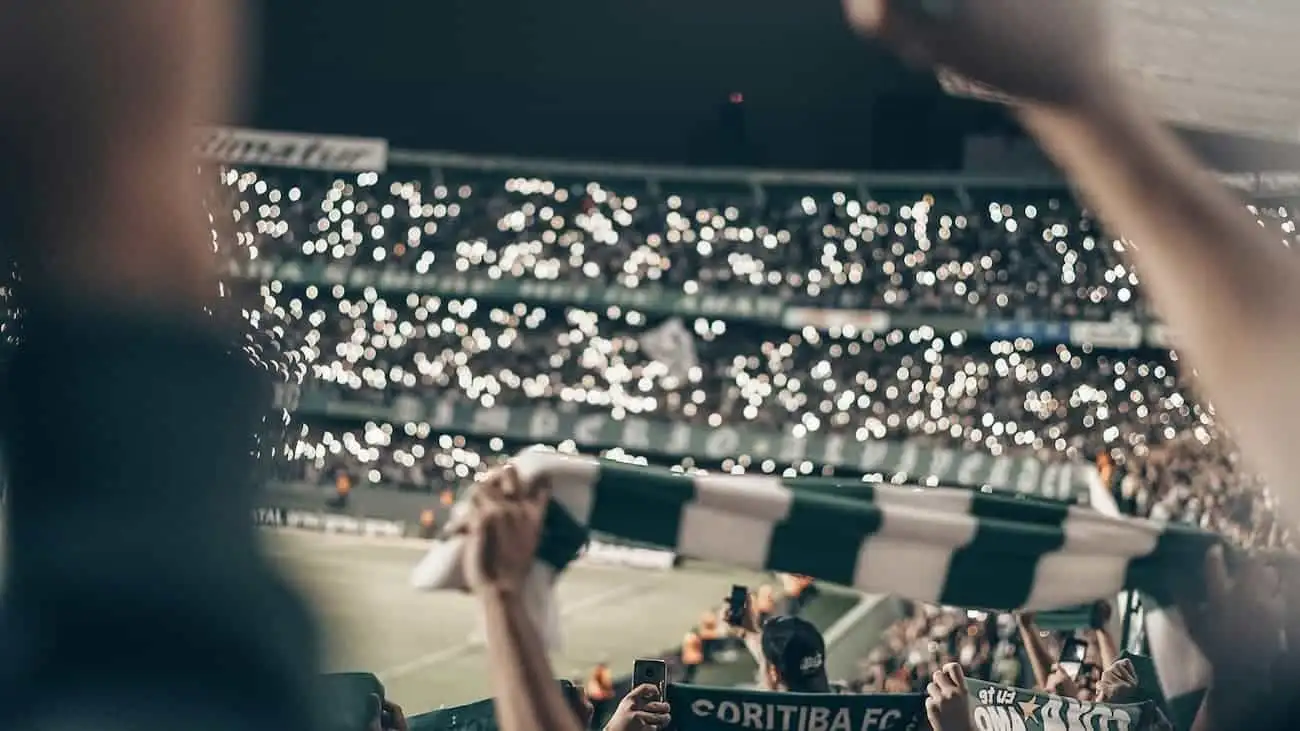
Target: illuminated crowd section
point(499, 290)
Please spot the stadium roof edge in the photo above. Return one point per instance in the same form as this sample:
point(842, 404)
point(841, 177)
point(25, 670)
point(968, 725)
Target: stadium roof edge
point(746, 176)
point(1263, 184)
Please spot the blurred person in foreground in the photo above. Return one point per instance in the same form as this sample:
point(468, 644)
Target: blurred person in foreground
point(388, 716)
point(137, 595)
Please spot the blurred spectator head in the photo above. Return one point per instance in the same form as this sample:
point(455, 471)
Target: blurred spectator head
point(578, 702)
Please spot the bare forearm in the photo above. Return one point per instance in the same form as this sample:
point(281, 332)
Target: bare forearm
point(526, 695)
point(1106, 648)
point(1228, 290)
point(1039, 661)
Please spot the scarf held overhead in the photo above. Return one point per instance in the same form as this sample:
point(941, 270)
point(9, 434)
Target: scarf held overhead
point(948, 546)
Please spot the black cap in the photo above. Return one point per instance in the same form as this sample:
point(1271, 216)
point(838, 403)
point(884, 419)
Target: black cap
point(796, 649)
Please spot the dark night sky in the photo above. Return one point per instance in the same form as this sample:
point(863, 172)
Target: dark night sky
point(628, 80)
point(623, 80)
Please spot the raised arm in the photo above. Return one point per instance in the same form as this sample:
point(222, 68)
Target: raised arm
point(503, 528)
point(1100, 634)
point(1225, 286)
point(1040, 660)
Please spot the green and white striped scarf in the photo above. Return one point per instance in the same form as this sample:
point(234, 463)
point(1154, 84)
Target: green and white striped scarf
point(948, 546)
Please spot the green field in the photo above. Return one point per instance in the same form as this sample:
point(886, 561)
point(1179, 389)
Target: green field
point(423, 645)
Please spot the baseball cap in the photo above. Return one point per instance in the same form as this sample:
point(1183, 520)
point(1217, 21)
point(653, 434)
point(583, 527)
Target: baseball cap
point(796, 649)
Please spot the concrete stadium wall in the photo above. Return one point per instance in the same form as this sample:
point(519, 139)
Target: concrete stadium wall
point(857, 633)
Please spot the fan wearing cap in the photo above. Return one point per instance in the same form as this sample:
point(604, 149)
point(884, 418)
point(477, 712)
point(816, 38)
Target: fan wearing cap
point(790, 652)
point(793, 656)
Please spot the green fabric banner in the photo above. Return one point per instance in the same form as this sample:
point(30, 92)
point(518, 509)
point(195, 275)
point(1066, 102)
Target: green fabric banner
point(661, 301)
point(476, 716)
point(1000, 708)
point(697, 708)
point(1024, 475)
point(772, 310)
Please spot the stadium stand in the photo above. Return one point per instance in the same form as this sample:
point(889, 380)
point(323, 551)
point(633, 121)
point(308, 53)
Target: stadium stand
point(941, 332)
point(994, 321)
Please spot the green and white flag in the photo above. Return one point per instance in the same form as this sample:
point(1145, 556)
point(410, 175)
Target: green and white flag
point(476, 716)
point(947, 546)
point(1002, 708)
point(700, 708)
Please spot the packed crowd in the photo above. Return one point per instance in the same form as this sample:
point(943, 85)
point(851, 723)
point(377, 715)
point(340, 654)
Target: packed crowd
point(1063, 401)
point(1203, 484)
point(1014, 255)
point(999, 256)
point(1161, 450)
point(1007, 649)
point(1134, 411)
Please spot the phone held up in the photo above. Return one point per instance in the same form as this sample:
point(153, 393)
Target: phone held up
point(1073, 652)
point(654, 672)
point(736, 605)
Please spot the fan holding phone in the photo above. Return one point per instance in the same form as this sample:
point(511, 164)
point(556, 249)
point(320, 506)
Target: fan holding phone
point(790, 651)
point(1072, 674)
point(1073, 654)
point(645, 708)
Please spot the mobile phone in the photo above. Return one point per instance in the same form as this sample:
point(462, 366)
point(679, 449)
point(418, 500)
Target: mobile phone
point(654, 672)
point(1073, 652)
point(736, 605)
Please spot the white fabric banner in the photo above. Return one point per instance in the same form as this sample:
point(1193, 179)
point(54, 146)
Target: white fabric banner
point(241, 146)
point(673, 345)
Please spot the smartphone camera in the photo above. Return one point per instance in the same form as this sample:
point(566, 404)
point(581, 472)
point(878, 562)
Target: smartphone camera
point(652, 672)
point(736, 605)
point(1073, 653)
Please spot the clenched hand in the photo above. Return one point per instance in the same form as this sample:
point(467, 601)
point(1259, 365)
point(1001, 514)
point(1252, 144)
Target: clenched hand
point(1035, 50)
point(1119, 683)
point(503, 526)
point(947, 704)
point(640, 710)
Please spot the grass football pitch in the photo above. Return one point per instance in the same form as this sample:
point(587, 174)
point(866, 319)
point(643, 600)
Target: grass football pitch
point(425, 646)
